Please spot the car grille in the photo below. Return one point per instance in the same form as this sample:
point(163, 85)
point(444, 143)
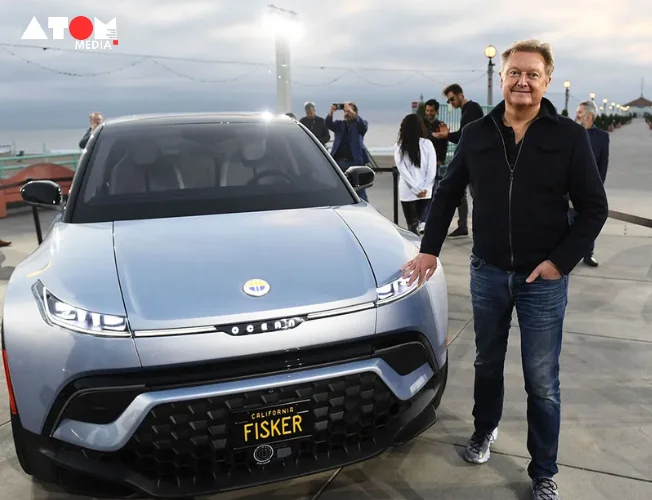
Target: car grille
point(191, 446)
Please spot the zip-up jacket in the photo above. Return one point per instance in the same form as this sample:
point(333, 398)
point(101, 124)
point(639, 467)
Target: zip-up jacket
point(520, 211)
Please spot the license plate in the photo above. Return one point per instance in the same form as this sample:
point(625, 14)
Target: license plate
point(271, 424)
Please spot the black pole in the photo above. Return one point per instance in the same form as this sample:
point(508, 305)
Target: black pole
point(395, 176)
point(37, 225)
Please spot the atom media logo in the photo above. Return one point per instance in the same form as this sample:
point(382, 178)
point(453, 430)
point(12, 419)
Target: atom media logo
point(81, 28)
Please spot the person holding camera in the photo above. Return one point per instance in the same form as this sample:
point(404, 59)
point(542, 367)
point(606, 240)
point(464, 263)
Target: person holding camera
point(348, 146)
point(95, 118)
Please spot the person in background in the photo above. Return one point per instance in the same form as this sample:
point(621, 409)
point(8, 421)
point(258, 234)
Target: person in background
point(416, 161)
point(95, 118)
point(585, 115)
point(4, 243)
point(529, 158)
point(433, 125)
point(471, 111)
point(316, 124)
point(348, 146)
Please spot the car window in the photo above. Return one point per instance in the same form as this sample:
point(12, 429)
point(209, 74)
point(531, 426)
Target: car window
point(192, 169)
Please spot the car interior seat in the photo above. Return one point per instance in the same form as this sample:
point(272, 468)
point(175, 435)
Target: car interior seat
point(197, 166)
point(144, 169)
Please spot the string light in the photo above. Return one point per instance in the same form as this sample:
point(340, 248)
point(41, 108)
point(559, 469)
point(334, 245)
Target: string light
point(157, 60)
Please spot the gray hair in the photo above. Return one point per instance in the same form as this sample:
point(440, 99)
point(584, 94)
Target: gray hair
point(591, 107)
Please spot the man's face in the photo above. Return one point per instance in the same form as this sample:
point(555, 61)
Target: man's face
point(96, 119)
point(310, 112)
point(583, 117)
point(454, 100)
point(524, 79)
point(431, 113)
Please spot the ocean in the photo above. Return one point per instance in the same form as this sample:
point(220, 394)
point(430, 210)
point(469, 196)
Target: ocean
point(379, 139)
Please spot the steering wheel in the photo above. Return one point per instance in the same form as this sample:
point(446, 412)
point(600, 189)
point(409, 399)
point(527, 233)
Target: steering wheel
point(269, 173)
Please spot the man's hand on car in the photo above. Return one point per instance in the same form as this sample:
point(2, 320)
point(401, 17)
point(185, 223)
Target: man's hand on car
point(422, 267)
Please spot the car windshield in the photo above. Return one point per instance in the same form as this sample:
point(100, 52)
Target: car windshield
point(153, 171)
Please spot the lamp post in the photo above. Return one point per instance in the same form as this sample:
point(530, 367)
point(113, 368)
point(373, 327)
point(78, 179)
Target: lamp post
point(284, 26)
point(490, 53)
point(567, 87)
point(592, 96)
point(604, 104)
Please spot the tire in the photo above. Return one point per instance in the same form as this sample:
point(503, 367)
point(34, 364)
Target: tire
point(31, 460)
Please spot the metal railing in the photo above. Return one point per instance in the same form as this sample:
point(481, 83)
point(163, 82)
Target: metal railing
point(613, 214)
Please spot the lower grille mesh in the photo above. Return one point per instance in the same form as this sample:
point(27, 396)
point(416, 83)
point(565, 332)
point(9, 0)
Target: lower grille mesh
point(192, 443)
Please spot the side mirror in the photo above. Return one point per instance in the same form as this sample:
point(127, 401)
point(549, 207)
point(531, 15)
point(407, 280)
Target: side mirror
point(360, 177)
point(46, 194)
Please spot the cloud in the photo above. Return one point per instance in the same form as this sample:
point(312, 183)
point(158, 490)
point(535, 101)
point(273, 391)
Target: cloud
point(348, 49)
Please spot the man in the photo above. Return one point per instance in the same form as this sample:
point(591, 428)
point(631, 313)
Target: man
point(471, 111)
point(316, 124)
point(4, 243)
point(521, 160)
point(348, 146)
point(95, 118)
point(586, 114)
point(433, 125)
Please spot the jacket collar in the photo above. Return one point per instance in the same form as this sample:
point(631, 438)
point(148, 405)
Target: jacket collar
point(547, 110)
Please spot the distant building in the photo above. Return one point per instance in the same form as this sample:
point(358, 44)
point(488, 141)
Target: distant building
point(640, 105)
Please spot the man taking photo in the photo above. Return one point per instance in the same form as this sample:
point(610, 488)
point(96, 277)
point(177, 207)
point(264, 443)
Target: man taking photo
point(348, 146)
point(95, 119)
point(521, 160)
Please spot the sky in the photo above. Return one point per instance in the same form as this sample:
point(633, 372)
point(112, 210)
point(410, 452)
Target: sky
point(382, 54)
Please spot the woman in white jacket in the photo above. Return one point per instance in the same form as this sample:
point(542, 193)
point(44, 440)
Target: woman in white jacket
point(416, 160)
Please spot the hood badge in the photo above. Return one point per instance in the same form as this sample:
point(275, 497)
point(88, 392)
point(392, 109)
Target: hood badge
point(256, 287)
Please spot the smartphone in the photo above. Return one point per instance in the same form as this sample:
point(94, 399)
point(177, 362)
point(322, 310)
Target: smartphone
point(338, 106)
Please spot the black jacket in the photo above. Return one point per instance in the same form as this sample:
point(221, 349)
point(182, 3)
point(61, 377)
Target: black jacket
point(84, 140)
point(441, 145)
point(317, 126)
point(471, 111)
point(600, 144)
point(521, 219)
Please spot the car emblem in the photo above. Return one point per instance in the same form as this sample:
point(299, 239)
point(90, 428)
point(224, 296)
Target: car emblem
point(256, 287)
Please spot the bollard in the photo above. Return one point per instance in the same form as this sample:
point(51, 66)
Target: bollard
point(395, 176)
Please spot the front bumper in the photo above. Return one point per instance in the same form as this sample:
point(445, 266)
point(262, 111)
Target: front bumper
point(184, 441)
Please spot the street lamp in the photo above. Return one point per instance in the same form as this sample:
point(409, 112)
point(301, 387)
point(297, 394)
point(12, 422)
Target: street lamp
point(490, 53)
point(284, 26)
point(604, 102)
point(567, 87)
point(592, 96)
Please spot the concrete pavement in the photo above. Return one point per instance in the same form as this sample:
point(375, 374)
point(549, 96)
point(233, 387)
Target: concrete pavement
point(606, 378)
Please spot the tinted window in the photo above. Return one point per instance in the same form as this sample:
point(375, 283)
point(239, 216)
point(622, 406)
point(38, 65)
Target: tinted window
point(153, 171)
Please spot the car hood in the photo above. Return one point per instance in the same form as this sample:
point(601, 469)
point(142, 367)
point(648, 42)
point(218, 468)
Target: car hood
point(190, 271)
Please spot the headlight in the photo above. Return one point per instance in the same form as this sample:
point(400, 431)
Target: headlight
point(80, 320)
point(395, 290)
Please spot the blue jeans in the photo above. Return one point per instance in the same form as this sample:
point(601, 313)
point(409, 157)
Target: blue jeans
point(344, 165)
point(572, 213)
point(541, 308)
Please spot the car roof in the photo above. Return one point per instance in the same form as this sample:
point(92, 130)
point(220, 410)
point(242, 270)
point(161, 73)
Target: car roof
point(190, 118)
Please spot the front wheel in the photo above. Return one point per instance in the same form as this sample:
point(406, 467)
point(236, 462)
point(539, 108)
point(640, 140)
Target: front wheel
point(33, 462)
point(41, 468)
